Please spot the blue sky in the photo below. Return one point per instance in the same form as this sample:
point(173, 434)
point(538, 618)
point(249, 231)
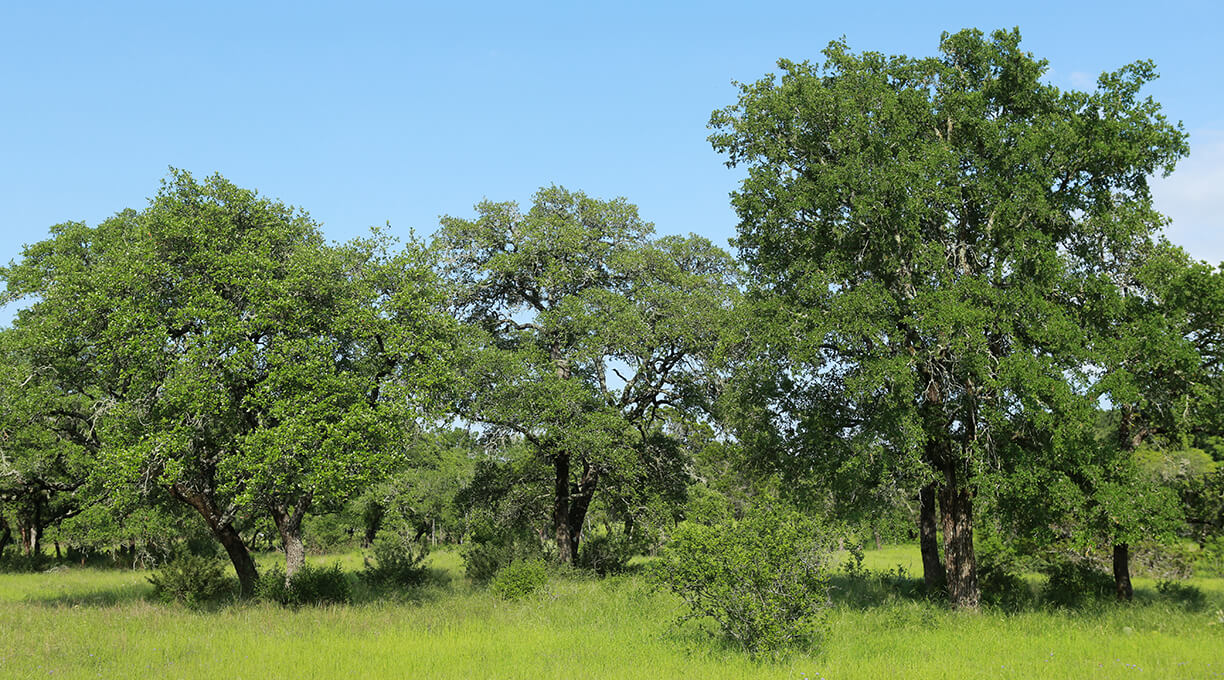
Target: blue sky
point(365, 113)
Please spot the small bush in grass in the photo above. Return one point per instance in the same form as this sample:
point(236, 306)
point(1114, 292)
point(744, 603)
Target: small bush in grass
point(764, 580)
point(1184, 594)
point(191, 579)
point(1073, 583)
point(398, 561)
point(518, 579)
point(310, 586)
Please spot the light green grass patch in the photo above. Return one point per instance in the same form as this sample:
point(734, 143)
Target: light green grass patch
point(84, 623)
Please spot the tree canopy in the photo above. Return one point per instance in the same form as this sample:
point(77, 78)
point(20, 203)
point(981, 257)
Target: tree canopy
point(935, 228)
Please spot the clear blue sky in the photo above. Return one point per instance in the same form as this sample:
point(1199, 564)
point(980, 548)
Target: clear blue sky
point(364, 113)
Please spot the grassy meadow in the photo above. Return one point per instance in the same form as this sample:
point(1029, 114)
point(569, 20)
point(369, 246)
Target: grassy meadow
point(95, 623)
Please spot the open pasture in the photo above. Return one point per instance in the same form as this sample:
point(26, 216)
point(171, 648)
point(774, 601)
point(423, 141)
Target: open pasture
point(89, 623)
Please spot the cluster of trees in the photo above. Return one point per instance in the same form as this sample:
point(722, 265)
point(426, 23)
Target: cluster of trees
point(953, 310)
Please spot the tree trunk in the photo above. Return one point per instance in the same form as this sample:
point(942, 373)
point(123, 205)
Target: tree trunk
point(933, 574)
point(561, 506)
point(33, 539)
point(288, 522)
point(580, 502)
point(960, 562)
point(1121, 571)
point(570, 506)
point(6, 535)
point(225, 533)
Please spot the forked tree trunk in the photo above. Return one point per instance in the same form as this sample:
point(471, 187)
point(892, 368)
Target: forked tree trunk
point(570, 506)
point(224, 531)
point(960, 562)
point(288, 522)
point(933, 574)
point(1121, 571)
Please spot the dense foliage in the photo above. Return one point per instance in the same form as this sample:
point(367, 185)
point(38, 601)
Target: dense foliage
point(929, 241)
point(763, 580)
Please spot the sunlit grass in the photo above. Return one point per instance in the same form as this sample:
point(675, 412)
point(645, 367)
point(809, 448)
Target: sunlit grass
point(87, 623)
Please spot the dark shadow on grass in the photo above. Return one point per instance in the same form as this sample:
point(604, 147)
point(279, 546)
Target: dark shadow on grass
point(871, 589)
point(102, 597)
point(875, 589)
point(435, 585)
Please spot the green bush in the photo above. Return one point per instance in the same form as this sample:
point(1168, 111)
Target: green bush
point(1210, 560)
point(309, 586)
point(517, 580)
point(1184, 594)
point(191, 579)
point(606, 554)
point(1000, 581)
point(763, 580)
point(1073, 583)
point(398, 561)
point(16, 562)
point(490, 547)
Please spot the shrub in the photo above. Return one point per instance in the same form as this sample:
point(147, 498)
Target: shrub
point(518, 579)
point(398, 561)
point(18, 562)
point(1210, 560)
point(1072, 583)
point(606, 554)
point(999, 578)
point(763, 580)
point(1184, 594)
point(309, 586)
point(191, 579)
point(491, 547)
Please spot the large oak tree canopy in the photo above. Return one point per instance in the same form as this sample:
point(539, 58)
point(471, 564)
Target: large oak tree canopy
point(934, 230)
point(593, 335)
point(223, 352)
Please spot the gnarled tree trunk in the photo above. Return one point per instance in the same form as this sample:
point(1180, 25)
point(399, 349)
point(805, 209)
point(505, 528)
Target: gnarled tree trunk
point(288, 522)
point(223, 530)
point(960, 561)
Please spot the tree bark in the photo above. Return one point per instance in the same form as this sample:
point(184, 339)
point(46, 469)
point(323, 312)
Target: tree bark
point(1121, 571)
point(225, 533)
point(561, 507)
point(960, 562)
point(1129, 439)
point(933, 574)
point(570, 506)
point(6, 535)
point(580, 502)
point(288, 522)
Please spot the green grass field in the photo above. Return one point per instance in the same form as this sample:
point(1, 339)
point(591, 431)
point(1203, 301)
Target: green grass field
point(87, 623)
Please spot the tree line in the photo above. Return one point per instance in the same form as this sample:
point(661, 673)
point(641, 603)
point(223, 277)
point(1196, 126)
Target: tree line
point(952, 317)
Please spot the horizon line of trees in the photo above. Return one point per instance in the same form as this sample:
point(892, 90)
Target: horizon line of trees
point(953, 318)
